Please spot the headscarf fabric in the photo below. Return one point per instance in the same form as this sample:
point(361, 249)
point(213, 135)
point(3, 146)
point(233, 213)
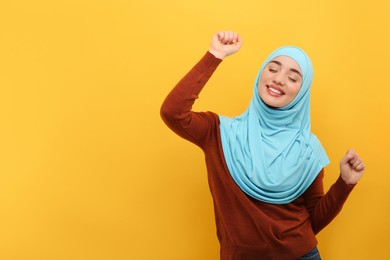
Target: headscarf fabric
point(270, 152)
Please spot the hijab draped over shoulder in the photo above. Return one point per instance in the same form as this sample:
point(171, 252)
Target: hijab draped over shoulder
point(270, 152)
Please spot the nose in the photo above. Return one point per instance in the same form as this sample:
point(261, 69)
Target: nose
point(279, 79)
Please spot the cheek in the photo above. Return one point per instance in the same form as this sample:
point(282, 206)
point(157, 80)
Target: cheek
point(295, 89)
point(264, 76)
point(262, 82)
point(260, 89)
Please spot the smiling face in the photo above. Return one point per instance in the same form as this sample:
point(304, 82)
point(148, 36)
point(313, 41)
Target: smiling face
point(280, 82)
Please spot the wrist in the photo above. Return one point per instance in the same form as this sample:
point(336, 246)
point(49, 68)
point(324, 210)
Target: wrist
point(217, 54)
point(345, 181)
point(348, 181)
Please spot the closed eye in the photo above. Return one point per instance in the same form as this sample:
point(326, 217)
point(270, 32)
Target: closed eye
point(292, 79)
point(272, 70)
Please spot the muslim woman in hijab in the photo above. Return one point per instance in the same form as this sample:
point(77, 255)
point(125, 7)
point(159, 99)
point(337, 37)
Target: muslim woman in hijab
point(265, 167)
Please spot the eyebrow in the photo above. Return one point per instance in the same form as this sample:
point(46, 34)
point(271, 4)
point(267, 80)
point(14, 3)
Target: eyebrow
point(292, 69)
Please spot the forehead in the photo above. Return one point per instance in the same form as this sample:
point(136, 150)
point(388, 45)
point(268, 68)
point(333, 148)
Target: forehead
point(287, 62)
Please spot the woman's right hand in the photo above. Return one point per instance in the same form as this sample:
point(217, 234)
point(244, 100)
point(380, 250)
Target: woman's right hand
point(225, 43)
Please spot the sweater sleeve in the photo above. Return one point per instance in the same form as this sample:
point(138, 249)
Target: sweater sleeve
point(176, 110)
point(324, 208)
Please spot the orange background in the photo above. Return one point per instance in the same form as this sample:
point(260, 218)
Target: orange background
point(88, 170)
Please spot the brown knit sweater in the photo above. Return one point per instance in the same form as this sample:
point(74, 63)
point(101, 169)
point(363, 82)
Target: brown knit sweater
point(247, 228)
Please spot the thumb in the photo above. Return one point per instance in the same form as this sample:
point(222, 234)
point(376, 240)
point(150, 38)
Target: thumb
point(347, 157)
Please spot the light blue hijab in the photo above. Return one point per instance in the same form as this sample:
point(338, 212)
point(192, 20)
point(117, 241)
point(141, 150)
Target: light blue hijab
point(270, 152)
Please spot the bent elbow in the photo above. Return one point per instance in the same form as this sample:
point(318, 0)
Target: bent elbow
point(165, 112)
point(168, 113)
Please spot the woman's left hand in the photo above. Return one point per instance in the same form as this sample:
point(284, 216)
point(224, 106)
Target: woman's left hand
point(351, 167)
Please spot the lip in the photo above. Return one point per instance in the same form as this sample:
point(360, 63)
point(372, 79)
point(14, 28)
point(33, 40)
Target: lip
point(273, 93)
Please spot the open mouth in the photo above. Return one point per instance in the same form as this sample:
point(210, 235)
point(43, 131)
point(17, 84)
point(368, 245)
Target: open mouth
point(274, 91)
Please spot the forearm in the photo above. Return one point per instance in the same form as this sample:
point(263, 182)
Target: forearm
point(329, 205)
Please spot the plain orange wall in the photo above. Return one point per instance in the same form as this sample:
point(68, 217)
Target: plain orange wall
point(89, 171)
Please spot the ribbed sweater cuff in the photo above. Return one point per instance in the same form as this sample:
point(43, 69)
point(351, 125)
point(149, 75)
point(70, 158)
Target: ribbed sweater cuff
point(342, 189)
point(210, 60)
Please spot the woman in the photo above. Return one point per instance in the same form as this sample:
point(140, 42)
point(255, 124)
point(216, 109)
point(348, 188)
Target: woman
point(265, 167)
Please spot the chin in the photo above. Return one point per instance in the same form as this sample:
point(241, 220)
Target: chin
point(270, 104)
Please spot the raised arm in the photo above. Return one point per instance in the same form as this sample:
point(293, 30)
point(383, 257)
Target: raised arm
point(176, 111)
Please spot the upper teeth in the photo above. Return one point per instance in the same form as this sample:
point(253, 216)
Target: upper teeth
point(275, 91)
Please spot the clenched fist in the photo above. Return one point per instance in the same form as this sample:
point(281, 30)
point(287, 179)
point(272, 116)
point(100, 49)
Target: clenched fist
point(351, 167)
point(225, 43)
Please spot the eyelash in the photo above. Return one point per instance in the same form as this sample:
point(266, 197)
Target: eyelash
point(293, 80)
point(273, 71)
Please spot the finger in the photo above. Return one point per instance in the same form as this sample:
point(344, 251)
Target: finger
point(357, 162)
point(351, 152)
point(354, 159)
point(221, 36)
point(346, 158)
point(239, 40)
point(360, 167)
point(235, 38)
point(349, 157)
point(225, 38)
point(230, 37)
point(216, 37)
